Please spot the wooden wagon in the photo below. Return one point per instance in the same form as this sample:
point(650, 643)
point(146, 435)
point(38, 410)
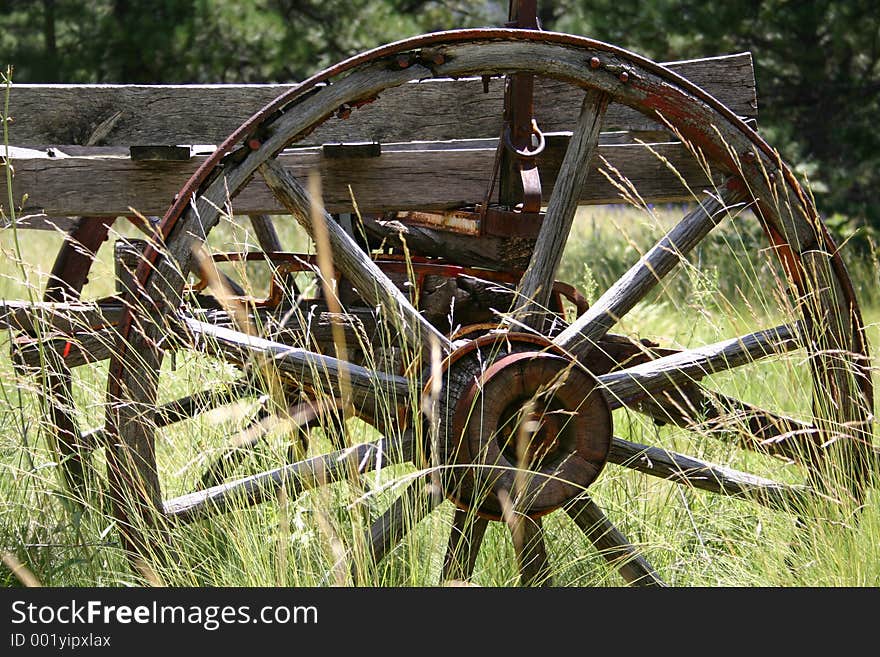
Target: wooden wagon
point(451, 166)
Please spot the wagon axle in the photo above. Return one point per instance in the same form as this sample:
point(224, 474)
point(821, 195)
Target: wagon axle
point(522, 430)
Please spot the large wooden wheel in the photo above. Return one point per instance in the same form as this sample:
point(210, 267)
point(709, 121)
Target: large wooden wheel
point(511, 422)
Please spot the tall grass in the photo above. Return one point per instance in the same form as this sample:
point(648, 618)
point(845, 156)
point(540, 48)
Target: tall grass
point(692, 538)
point(732, 284)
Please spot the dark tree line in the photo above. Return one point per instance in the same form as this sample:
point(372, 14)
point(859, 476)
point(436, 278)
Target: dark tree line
point(817, 63)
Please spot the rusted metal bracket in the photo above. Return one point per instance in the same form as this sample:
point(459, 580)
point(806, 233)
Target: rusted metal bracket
point(356, 149)
point(179, 153)
point(522, 141)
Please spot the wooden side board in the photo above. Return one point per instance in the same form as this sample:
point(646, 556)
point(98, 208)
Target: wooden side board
point(431, 110)
point(438, 138)
point(427, 178)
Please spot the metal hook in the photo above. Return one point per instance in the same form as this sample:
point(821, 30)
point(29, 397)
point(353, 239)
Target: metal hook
point(525, 152)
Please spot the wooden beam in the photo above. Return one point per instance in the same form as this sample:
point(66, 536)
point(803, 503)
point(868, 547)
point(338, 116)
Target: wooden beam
point(53, 114)
point(400, 179)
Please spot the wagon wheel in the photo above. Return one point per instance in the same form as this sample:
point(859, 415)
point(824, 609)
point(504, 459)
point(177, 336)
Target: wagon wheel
point(521, 424)
point(54, 355)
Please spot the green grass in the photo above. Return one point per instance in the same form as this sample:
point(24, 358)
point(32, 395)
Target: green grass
point(729, 287)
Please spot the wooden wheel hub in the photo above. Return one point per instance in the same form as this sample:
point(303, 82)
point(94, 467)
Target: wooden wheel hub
point(529, 432)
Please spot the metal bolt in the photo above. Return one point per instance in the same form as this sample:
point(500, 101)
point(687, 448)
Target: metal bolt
point(254, 144)
point(343, 112)
point(624, 76)
point(749, 155)
point(403, 61)
point(595, 62)
point(772, 177)
point(438, 58)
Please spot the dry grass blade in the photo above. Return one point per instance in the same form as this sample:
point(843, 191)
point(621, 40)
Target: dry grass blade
point(21, 572)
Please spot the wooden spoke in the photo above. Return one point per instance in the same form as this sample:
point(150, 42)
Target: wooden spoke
point(299, 419)
point(203, 401)
point(72, 450)
point(611, 544)
point(232, 285)
point(296, 477)
point(695, 407)
point(371, 282)
point(580, 337)
point(536, 284)
point(692, 365)
point(185, 408)
point(465, 539)
point(306, 367)
point(531, 552)
point(267, 236)
point(411, 507)
point(239, 444)
point(707, 476)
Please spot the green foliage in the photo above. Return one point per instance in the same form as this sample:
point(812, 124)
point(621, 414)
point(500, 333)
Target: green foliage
point(817, 67)
point(209, 41)
point(817, 63)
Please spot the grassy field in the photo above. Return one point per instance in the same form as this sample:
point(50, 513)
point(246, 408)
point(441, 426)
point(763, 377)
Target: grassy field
point(730, 286)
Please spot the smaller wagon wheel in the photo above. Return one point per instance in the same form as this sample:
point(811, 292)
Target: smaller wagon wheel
point(522, 423)
point(54, 353)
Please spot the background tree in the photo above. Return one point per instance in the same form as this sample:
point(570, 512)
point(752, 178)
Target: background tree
point(817, 66)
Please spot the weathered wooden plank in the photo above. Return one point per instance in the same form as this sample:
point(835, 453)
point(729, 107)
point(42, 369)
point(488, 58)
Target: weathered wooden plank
point(432, 109)
point(427, 179)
